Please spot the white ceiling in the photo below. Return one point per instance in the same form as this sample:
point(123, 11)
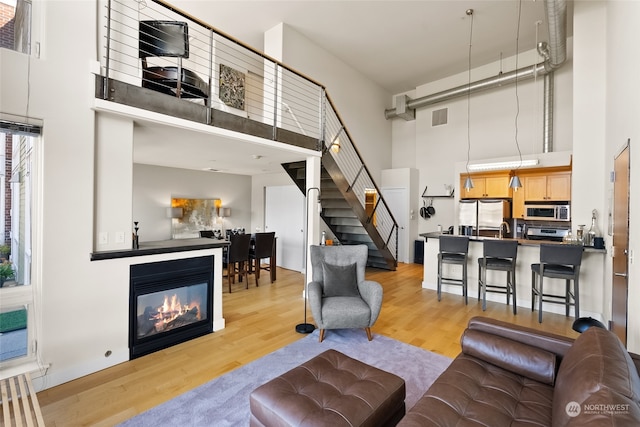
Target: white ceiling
point(397, 44)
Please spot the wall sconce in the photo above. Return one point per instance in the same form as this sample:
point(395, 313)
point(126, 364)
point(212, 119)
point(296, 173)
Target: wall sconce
point(335, 146)
point(174, 213)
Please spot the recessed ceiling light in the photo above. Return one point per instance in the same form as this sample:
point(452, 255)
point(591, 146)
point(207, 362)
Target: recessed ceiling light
point(256, 156)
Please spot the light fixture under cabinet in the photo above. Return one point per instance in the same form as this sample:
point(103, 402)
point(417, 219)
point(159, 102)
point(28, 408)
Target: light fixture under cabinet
point(502, 165)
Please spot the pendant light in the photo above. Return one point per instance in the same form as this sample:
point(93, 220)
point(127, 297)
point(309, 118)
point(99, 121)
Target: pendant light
point(468, 183)
point(514, 182)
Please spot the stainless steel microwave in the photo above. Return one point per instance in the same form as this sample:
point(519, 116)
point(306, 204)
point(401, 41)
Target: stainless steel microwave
point(551, 212)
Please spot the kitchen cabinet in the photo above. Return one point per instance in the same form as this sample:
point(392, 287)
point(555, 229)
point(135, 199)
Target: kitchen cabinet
point(541, 187)
point(517, 204)
point(490, 186)
point(547, 187)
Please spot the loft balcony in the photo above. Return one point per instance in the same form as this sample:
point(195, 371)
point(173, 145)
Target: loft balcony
point(224, 83)
point(161, 59)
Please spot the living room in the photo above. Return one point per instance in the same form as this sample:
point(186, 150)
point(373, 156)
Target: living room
point(597, 117)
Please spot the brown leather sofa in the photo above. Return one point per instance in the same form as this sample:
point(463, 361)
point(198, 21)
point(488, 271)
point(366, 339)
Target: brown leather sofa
point(507, 375)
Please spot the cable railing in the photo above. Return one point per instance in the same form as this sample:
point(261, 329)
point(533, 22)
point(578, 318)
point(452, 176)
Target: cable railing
point(205, 66)
point(339, 145)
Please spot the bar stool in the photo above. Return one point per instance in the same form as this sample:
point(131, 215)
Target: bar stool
point(453, 250)
point(499, 255)
point(557, 262)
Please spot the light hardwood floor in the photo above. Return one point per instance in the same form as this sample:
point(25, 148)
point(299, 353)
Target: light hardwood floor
point(259, 321)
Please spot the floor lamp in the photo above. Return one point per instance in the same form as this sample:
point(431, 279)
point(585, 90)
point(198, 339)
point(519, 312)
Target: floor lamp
point(306, 328)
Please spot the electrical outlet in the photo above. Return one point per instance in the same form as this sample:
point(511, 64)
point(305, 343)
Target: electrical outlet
point(119, 236)
point(103, 238)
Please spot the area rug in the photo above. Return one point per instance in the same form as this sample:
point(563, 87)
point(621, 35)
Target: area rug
point(224, 401)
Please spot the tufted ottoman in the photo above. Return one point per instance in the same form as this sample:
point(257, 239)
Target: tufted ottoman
point(331, 389)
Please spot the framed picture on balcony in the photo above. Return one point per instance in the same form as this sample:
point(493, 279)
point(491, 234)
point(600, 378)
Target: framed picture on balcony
point(232, 83)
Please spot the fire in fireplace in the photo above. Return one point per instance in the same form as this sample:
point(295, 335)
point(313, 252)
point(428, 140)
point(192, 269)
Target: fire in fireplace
point(170, 302)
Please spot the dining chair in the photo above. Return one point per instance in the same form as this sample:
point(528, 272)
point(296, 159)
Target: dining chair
point(238, 258)
point(262, 249)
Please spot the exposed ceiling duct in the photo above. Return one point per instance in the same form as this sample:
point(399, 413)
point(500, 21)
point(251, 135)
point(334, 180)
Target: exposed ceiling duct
point(554, 54)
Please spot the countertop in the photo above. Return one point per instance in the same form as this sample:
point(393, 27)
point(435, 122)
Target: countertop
point(161, 247)
point(522, 242)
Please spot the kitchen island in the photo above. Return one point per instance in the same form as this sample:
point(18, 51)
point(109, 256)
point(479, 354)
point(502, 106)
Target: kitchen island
point(592, 277)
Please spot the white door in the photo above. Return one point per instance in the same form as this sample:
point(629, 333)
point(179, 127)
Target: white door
point(284, 214)
point(397, 201)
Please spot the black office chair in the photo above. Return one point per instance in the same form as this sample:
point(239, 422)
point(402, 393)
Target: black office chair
point(238, 258)
point(262, 249)
point(453, 250)
point(557, 262)
point(498, 255)
point(169, 39)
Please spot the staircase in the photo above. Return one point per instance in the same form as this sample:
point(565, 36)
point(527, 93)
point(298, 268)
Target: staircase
point(345, 216)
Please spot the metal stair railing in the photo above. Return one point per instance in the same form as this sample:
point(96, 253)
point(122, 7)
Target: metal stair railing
point(338, 144)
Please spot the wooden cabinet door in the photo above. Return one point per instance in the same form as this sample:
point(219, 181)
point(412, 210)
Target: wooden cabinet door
point(476, 192)
point(535, 187)
point(517, 204)
point(559, 187)
point(497, 187)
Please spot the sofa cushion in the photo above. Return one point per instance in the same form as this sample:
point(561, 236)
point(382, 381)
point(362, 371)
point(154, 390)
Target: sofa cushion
point(531, 362)
point(597, 383)
point(340, 280)
point(472, 392)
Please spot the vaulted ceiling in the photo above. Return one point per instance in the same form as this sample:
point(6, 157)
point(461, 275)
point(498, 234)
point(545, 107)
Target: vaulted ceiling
point(397, 44)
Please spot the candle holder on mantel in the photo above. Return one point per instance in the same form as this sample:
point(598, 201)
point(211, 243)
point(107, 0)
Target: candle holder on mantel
point(136, 242)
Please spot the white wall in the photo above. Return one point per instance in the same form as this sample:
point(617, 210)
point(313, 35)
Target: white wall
point(590, 179)
point(358, 101)
point(60, 87)
point(622, 113)
point(154, 186)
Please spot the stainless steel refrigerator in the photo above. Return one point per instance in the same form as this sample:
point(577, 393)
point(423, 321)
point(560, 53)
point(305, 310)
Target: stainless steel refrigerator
point(483, 217)
point(468, 217)
point(491, 214)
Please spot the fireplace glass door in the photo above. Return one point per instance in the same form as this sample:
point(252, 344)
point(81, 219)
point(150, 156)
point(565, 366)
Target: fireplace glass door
point(171, 302)
point(163, 311)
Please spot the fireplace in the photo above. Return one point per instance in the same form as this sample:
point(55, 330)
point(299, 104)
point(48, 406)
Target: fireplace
point(170, 302)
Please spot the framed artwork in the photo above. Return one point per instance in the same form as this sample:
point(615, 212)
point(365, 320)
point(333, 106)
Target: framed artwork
point(197, 214)
point(232, 87)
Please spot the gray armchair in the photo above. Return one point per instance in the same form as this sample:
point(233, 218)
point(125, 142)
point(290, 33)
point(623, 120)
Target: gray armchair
point(339, 295)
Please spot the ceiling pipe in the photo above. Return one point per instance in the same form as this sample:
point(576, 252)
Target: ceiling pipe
point(554, 53)
point(502, 79)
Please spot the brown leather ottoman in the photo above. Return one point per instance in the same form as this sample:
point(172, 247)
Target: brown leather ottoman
point(331, 389)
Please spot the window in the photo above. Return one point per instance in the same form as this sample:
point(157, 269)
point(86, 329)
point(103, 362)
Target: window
point(17, 297)
point(15, 25)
